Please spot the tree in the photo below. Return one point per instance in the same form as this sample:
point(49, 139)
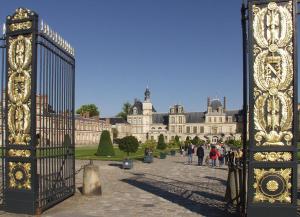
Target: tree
point(91, 109)
point(187, 140)
point(161, 145)
point(125, 111)
point(236, 143)
point(105, 147)
point(129, 144)
point(151, 144)
point(196, 140)
point(177, 139)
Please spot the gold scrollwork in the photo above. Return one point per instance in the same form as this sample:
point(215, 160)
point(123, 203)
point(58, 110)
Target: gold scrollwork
point(19, 153)
point(273, 156)
point(19, 89)
point(20, 26)
point(272, 185)
point(21, 13)
point(19, 175)
point(273, 74)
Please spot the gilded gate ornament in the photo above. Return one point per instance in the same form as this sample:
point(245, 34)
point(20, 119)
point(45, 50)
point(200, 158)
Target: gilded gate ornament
point(20, 26)
point(19, 175)
point(19, 89)
point(273, 156)
point(272, 185)
point(273, 74)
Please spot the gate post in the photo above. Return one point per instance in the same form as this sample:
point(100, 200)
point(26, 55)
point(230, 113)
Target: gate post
point(272, 184)
point(21, 187)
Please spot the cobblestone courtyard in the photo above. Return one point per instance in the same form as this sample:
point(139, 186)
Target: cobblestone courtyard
point(165, 188)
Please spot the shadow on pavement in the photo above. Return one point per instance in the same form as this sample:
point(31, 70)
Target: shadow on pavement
point(115, 165)
point(222, 181)
point(196, 199)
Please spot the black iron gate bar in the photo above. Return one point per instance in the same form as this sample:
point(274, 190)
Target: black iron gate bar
point(3, 66)
point(56, 129)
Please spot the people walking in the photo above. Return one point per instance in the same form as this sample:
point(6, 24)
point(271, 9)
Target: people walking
point(200, 155)
point(214, 155)
point(190, 153)
point(222, 152)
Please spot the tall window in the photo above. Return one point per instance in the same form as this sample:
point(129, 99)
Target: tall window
point(209, 119)
point(173, 129)
point(201, 129)
point(180, 120)
point(195, 129)
point(180, 129)
point(188, 130)
point(229, 119)
point(215, 119)
point(220, 119)
point(214, 130)
point(173, 120)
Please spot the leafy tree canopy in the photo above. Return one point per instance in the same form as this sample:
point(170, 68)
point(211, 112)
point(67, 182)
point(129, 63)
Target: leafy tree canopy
point(129, 144)
point(125, 111)
point(91, 109)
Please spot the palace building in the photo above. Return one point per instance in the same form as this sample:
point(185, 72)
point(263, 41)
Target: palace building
point(215, 124)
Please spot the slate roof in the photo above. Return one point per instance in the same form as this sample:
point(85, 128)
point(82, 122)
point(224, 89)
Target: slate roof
point(160, 118)
point(139, 105)
point(195, 117)
point(114, 121)
point(236, 115)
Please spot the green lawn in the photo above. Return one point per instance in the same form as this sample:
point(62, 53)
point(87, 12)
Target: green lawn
point(88, 153)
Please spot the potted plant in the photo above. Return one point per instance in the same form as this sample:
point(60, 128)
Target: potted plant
point(171, 147)
point(150, 146)
point(128, 144)
point(161, 145)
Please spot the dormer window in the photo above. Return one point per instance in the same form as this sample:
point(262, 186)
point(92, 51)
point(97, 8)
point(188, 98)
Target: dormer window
point(134, 110)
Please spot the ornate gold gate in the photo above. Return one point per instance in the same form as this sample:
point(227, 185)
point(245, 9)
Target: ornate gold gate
point(38, 108)
point(272, 184)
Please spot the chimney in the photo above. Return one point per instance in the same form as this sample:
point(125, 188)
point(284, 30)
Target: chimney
point(224, 104)
point(208, 101)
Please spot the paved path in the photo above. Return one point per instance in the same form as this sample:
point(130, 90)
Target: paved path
point(165, 188)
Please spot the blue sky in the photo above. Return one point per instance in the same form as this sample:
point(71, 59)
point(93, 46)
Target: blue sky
point(185, 50)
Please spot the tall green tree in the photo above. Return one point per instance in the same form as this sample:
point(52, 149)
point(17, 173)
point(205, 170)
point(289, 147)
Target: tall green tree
point(196, 140)
point(187, 140)
point(125, 111)
point(129, 144)
point(91, 109)
point(161, 145)
point(105, 147)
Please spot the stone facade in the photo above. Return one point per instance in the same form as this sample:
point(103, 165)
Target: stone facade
point(214, 124)
point(88, 130)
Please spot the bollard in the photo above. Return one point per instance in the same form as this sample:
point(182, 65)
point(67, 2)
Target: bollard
point(91, 180)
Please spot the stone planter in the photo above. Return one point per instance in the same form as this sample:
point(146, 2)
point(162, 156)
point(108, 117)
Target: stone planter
point(173, 152)
point(148, 159)
point(127, 164)
point(162, 155)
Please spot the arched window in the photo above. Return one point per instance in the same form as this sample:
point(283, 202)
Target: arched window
point(134, 110)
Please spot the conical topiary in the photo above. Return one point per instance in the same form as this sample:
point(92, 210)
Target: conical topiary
point(105, 147)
